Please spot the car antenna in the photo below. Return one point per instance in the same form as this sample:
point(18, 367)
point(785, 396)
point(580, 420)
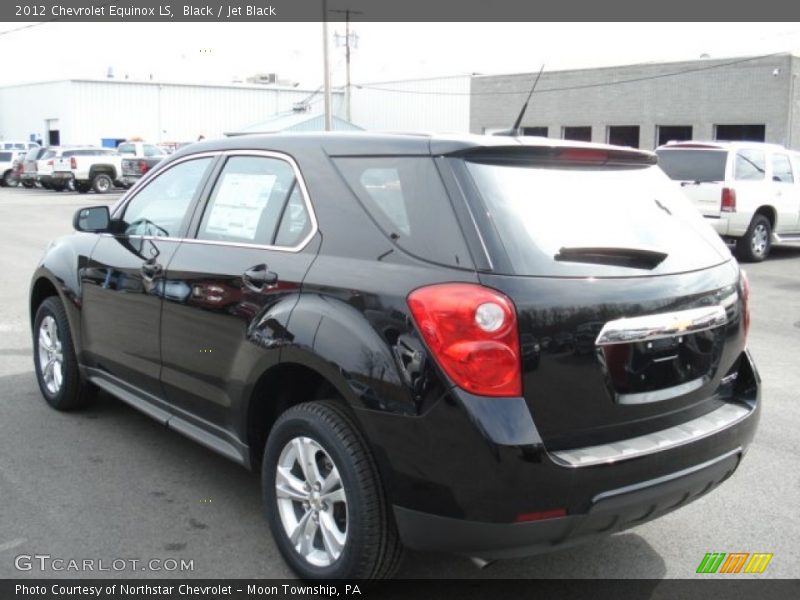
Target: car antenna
point(514, 131)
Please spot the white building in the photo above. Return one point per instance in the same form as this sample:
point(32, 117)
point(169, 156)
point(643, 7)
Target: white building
point(438, 104)
point(103, 111)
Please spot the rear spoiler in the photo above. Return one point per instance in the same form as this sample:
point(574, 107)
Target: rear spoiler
point(553, 155)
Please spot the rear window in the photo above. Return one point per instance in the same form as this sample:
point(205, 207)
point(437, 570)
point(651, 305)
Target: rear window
point(543, 215)
point(693, 165)
point(6, 156)
point(406, 198)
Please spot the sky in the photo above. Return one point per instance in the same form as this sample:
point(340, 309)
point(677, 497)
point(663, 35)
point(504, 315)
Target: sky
point(222, 52)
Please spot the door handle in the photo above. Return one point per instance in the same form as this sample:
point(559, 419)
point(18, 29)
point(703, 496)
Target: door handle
point(256, 278)
point(151, 269)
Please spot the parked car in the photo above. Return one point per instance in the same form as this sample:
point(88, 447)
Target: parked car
point(9, 162)
point(138, 159)
point(28, 175)
point(134, 168)
point(18, 145)
point(97, 169)
point(348, 313)
point(748, 191)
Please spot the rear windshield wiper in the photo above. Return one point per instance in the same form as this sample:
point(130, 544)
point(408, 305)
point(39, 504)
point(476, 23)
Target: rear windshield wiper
point(634, 258)
point(698, 182)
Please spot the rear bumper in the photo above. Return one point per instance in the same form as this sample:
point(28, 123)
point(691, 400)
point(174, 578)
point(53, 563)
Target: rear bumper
point(481, 502)
point(730, 224)
point(129, 180)
point(609, 512)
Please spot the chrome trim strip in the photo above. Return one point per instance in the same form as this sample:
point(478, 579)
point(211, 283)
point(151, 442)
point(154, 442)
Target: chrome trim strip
point(267, 153)
point(662, 394)
point(664, 479)
point(725, 416)
point(663, 325)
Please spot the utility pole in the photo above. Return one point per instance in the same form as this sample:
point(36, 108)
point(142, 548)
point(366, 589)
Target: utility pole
point(327, 68)
point(347, 12)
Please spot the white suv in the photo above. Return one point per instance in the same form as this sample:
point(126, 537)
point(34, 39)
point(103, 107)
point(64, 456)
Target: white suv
point(749, 191)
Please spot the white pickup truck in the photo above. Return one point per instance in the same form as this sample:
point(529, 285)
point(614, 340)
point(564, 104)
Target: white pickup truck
point(97, 169)
point(748, 191)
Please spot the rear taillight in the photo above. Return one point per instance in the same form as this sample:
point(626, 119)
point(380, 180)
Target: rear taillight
point(728, 200)
point(73, 164)
point(49, 163)
point(471, 331)
point(142, 167)
point(746, 303)
point(583, 155)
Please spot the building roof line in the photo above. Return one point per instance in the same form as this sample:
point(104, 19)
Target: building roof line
point(235, 86)
point(692, 61)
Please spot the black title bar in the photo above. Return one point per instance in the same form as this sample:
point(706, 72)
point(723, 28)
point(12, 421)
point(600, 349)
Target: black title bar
point(731, 588)
point(398, 10)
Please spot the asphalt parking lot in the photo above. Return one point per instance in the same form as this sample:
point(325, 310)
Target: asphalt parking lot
point(108, 483)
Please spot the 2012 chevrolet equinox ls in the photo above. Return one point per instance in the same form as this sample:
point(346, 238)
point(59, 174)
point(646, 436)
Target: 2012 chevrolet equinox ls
point(482, 345)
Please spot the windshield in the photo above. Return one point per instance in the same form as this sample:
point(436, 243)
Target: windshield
point(683, 164)
point(545, 215)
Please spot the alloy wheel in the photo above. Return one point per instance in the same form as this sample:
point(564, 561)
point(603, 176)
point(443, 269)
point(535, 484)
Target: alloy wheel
point(312, 502)
point(759, 239)
point(51, 357)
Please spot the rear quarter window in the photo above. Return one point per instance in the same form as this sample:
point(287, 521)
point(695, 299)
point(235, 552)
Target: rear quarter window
point(750, 165)
point(405, 196)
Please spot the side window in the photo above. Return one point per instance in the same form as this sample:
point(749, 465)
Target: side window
point(249, 198)
point(295, 223)
point(150, 150)
point(782, 169)
point(160, 208)
point(126, 149)
point(407, 199)
point(384, 186)
point(750, 165)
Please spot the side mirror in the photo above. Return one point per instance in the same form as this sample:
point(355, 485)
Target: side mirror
point(93, 219)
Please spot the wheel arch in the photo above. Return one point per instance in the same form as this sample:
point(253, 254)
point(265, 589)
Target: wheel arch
point(769, 212)
point(41, 289)
point(279, 388)
point(109, 170)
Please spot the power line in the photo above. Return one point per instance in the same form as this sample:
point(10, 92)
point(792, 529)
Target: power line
point(30, 26)
point(576, 87)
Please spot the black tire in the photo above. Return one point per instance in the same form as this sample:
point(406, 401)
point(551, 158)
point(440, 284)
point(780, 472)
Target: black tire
point(28, 184)
point(73, 392)
point(83, 188)
point(10, 179)
point(372, 547)
point(102, 183)
point(58, 187)
point(756, 243)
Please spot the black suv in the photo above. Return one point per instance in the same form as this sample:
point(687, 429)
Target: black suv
point(480, 345)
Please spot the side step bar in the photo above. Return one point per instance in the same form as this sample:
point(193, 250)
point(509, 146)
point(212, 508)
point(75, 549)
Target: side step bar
point(785, 238)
